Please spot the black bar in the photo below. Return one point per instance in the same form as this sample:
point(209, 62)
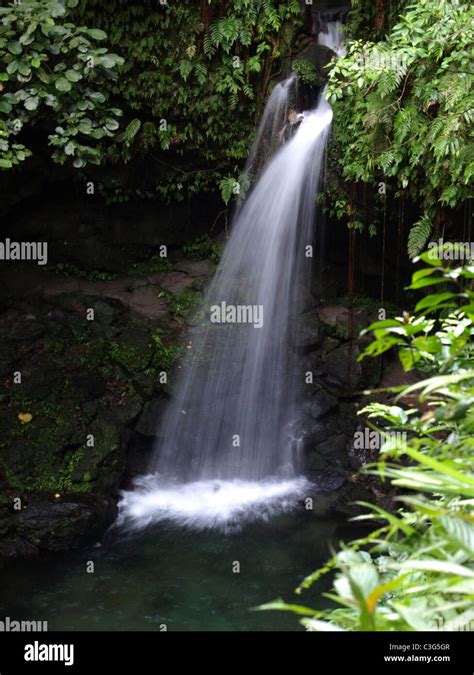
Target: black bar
point(322, 653)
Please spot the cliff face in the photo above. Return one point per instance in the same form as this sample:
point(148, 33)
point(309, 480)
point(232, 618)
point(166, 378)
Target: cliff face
point(80, 360)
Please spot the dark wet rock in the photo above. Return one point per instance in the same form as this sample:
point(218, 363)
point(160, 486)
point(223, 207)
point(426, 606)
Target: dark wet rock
point(312, 432)
point(342, 365)
point(348, 419)
point(320, 403)
point(56, 315)
point(152, 414)
point(316, 462)
point(310, 334)
point(139, 454)
point(194, 268)
point(329, 478)
point(329, 344)
point(89, 385)
point(16, 547)
point(67, 427)
point(27, 329)
point(343, 323)
point(64, 525)
point(334, 447)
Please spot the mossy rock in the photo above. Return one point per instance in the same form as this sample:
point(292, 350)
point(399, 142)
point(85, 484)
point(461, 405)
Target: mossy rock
point(133, 350)
point(101, 465)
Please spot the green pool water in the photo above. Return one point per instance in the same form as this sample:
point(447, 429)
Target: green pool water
point(184, 580)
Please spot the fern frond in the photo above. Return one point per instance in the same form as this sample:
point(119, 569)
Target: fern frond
point(418, 236)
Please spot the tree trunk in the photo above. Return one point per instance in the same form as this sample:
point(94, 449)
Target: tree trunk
point(379, 15)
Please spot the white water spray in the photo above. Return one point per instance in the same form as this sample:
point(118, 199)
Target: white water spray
point(227, 454)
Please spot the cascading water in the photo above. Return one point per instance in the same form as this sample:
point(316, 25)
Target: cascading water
point(226, 453)
point(331, 36)
point(270, 132)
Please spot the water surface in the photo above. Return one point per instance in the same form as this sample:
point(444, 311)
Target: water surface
point(178, 577)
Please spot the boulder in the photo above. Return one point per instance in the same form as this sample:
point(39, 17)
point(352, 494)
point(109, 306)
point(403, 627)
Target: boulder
point(64, 525)
point(310, 334)
point(342, 365)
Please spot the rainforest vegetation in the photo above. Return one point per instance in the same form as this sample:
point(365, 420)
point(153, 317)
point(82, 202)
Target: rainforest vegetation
point(157, 103)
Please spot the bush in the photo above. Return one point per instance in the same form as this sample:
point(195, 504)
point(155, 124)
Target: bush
point(416, 572)
point(53, 72)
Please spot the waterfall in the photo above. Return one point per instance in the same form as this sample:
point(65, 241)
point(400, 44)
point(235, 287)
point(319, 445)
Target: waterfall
point(270, 132)
point(226, 452)
point(331, 36)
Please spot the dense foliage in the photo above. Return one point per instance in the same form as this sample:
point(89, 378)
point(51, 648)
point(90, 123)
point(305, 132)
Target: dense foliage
point(403, 114)
point(195, 78)
point(53, 74)
point(416, 571)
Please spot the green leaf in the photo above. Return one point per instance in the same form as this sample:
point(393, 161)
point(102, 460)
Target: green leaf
point(5, 107)
point(431, 344)
point(462, 531)
point(70, 148)
point(111, 124)
point(14, 47)
point(449, 568)
point(24, 68)
point(418, 236)
point(85, 127)
point(408, 358)
point(386, 323)
point(431, 301)
point(318, 625)
point(12, 67)
point(31, 103)
point(96, 34)
point(62, 84)
point(427, 281)
point(280, 605)
point(73, 75)
point(97, 97)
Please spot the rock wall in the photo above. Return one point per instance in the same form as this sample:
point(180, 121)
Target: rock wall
point(80, 360)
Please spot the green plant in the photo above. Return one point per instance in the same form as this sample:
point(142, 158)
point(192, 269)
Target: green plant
point(155, 265)
point(416, 570)
point(53, 74)
point(187, 67)
point(70, 270)
point(403, 112)
point(165, 355)
point(306, 71)
point(201, 249)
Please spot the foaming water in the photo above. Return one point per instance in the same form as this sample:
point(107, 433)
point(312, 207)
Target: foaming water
point(207, 504)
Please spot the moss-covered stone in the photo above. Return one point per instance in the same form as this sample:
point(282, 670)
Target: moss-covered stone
point(84, 383)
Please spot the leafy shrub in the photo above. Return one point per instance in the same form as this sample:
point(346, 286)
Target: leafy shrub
point(201, 249)
point(416, 571)
point(194, 80)
point(403, 113)
point(53, 72)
